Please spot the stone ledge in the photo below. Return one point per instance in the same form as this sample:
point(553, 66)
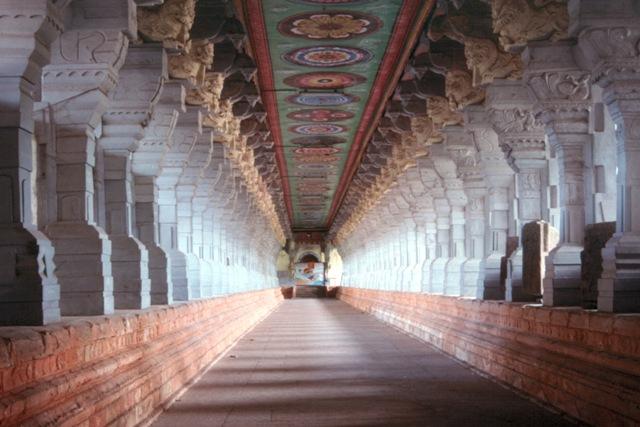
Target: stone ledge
point(582, 362)
point(119, 368)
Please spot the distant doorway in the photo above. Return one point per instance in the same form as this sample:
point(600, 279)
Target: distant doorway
point(309, 258)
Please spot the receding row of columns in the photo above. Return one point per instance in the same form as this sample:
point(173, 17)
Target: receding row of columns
point(115, 195)
point(541, 159)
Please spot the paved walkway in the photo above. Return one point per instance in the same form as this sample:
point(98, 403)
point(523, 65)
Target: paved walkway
point(320, 362)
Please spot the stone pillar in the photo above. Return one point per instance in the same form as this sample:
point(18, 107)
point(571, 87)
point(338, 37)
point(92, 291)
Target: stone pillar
point(187, 129)
point(147, 162)
point(563, 94)
point(76, 87)
point(497, 231)
point(147, 223)
point(455, 267)
point(460, 146)
point(608, 39)
point(30, 289)
point(184, 195)
point(457, 200)
point(523, 141)
point(208, 251)
point(426, 209)
point(133, 99)
point(498, 177)
point(443, 238)
point(474, 267)
point(432, 250)
point(218, 264)
point(538, 238)
point(129, 256)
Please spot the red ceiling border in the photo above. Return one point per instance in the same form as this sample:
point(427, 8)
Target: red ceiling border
point(252, 14)
point(407, 28)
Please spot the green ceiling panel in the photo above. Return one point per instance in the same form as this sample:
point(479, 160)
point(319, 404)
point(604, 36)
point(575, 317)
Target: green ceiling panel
point(323, 53)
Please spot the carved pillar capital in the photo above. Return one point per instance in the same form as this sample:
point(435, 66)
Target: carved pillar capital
point(139, 85)
point(561, 88)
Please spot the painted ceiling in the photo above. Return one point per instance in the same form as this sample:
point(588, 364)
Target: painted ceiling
point(326, 69)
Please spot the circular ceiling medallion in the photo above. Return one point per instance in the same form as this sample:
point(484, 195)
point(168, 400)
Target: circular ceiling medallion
point(322, 141)
point(320, 115)
point(317, 159)
point(329, 25)
point(327, 56)
point(324, 80)
point(318, 129)
point(320, 151)
point(322, 99)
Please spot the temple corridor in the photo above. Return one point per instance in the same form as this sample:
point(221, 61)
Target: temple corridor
point(363, 192)
point(319, 362)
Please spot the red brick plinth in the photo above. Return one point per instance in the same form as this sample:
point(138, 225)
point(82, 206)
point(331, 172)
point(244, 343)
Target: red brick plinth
point(118, 369)
point(585, 363)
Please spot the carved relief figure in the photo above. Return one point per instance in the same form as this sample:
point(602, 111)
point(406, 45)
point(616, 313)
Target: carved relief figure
point(460, 90)
point(194, 64)
point(440, 112)
point(487, 62)
point(520, 21)
point(169, 23)
point(514, 120)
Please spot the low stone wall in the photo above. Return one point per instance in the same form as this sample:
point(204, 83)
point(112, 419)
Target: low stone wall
point(120, 369)
point(584, 363)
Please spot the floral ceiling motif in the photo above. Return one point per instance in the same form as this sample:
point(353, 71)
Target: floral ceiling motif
point(329, 25)
point(327, 56)
point(324, 80)
point(322, 99)
point(318, 129)
point(320, 115)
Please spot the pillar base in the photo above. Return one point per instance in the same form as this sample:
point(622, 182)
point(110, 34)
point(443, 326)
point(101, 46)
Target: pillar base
point(473, 277)
point(438, 275)
point(619, 284)
point(206, 278)
point(563, 278)
point(30, 291)
point(218, 279)
point(514, 290)
point(160, 275)
point(179, 276)
point(130, 270)
point(426, 276)
point(415, 278)
point(193, 273)
point(83, 261)
point(454, 279)
point(492, 288)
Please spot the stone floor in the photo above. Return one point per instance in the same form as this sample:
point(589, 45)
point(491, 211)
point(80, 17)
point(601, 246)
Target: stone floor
point(320, 362)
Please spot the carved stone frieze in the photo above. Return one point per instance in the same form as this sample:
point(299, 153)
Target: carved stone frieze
point(561, 86)
point(514, 120)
